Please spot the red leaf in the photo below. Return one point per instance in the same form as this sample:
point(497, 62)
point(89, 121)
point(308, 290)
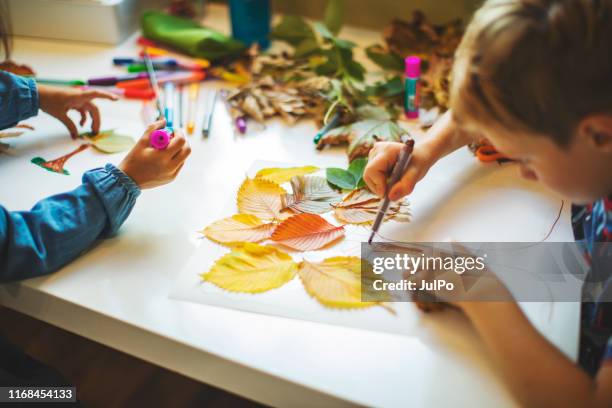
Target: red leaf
point(306, 232)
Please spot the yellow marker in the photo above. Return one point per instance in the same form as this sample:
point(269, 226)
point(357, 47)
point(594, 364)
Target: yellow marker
point(160, 52)
point(194, 89)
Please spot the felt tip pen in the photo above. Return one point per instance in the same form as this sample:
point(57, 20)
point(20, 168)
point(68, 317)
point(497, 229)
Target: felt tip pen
point(141, 94)
point(396, 174)
point(412, 87)
point(113, 80)
point(135, 68)
point(160, 138)
point(63, 82)
point(194, 90)
point(177, 78)
point(208, 115)
point(333, 122)
point(155, 49)
point(169, 96)
point(156, 61)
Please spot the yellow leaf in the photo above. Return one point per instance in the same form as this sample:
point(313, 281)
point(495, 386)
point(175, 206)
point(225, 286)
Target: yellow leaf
point(334, 282)
point(252, 268)
point(239, 228)
point(262, 198)
point(282, 175)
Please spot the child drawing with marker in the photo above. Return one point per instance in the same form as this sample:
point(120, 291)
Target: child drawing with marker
point(535, 78)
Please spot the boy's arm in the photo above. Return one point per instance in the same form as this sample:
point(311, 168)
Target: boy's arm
point(537, 372)
point(57, 229)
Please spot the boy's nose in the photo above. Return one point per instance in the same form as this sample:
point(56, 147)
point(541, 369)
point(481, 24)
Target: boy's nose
point(528, 174)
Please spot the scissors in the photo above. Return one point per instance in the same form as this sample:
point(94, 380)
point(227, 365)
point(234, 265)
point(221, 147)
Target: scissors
point(488, 153)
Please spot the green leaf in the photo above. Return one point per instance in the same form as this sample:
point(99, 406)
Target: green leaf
point(323, 31)
point(330, 66)
point(293, 30)
point(387, 89)
point(345, 44)
point(306, 47)
point(370, 131)
point(349, 179)
point(385, 59)
point(334, 15)
point(340, 178)
point(372, 112)
point(357, 167)
point(355, 70)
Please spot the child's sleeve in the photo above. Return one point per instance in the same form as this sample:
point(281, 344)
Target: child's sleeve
point(18, 99)
point(59, 228)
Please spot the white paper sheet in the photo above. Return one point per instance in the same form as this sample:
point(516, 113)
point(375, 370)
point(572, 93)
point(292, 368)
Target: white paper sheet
point(483, 206)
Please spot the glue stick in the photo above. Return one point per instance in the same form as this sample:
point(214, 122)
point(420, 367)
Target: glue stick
point(411, 96)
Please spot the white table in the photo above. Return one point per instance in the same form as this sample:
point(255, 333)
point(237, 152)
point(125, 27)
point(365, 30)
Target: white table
point(117, 294)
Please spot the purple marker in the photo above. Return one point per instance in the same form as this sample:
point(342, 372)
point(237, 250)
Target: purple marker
point(241, 124)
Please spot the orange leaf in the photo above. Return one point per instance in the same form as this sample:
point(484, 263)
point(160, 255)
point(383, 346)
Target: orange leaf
point(306, 232)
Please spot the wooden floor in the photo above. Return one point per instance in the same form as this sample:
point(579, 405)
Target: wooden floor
point(105, 377)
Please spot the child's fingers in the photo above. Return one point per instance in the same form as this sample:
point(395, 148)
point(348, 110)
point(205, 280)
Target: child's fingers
point(375, 174)
point(83, 116)
point(74, 133)
point(176, 144)
point(182, 154)
point(95, 117)
point(95, 93)
point(144, 139)
point(405, 185)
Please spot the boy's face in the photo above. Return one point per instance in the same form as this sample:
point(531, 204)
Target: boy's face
point(574, 172)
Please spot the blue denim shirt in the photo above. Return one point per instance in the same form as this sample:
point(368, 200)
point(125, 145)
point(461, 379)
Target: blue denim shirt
point(58, 228)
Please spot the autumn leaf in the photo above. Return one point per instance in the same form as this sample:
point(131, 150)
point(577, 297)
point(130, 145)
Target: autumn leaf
point(252, 268)
point(349, 179)
point(239, 228)
point(260, 197)
point(361, 207)
point(311, 194)
point(282, 175)
point(109, 141)
point(362, 135)
point(306, 232)
point(334, 282)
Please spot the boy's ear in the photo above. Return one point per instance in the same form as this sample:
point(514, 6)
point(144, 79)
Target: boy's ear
point(596, 132)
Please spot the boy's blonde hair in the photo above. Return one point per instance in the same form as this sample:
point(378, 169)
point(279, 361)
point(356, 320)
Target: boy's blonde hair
point(536, 66)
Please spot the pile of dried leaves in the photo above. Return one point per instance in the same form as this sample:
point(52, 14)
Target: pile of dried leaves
point(319, 79)
point(435, 44)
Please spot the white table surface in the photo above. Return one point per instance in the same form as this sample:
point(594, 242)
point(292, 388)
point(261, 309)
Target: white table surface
point(117, 293)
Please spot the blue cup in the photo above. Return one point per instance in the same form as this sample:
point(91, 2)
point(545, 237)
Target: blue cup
point(251, 21)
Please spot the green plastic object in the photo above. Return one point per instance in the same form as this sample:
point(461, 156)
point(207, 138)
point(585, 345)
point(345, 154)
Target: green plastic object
point(189, 37)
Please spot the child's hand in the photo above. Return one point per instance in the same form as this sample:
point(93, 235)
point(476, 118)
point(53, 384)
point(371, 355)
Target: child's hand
point(58, 101)
point(149, 167)
point(470, 287)
point(382, 158)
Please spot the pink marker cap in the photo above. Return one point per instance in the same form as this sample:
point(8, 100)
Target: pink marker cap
point(160, 139)
point(413, 66)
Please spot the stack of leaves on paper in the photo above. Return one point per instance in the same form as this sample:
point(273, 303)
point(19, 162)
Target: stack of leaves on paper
point(291, 220)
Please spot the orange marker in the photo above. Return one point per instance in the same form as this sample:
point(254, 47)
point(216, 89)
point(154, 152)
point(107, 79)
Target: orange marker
point(177, 78)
